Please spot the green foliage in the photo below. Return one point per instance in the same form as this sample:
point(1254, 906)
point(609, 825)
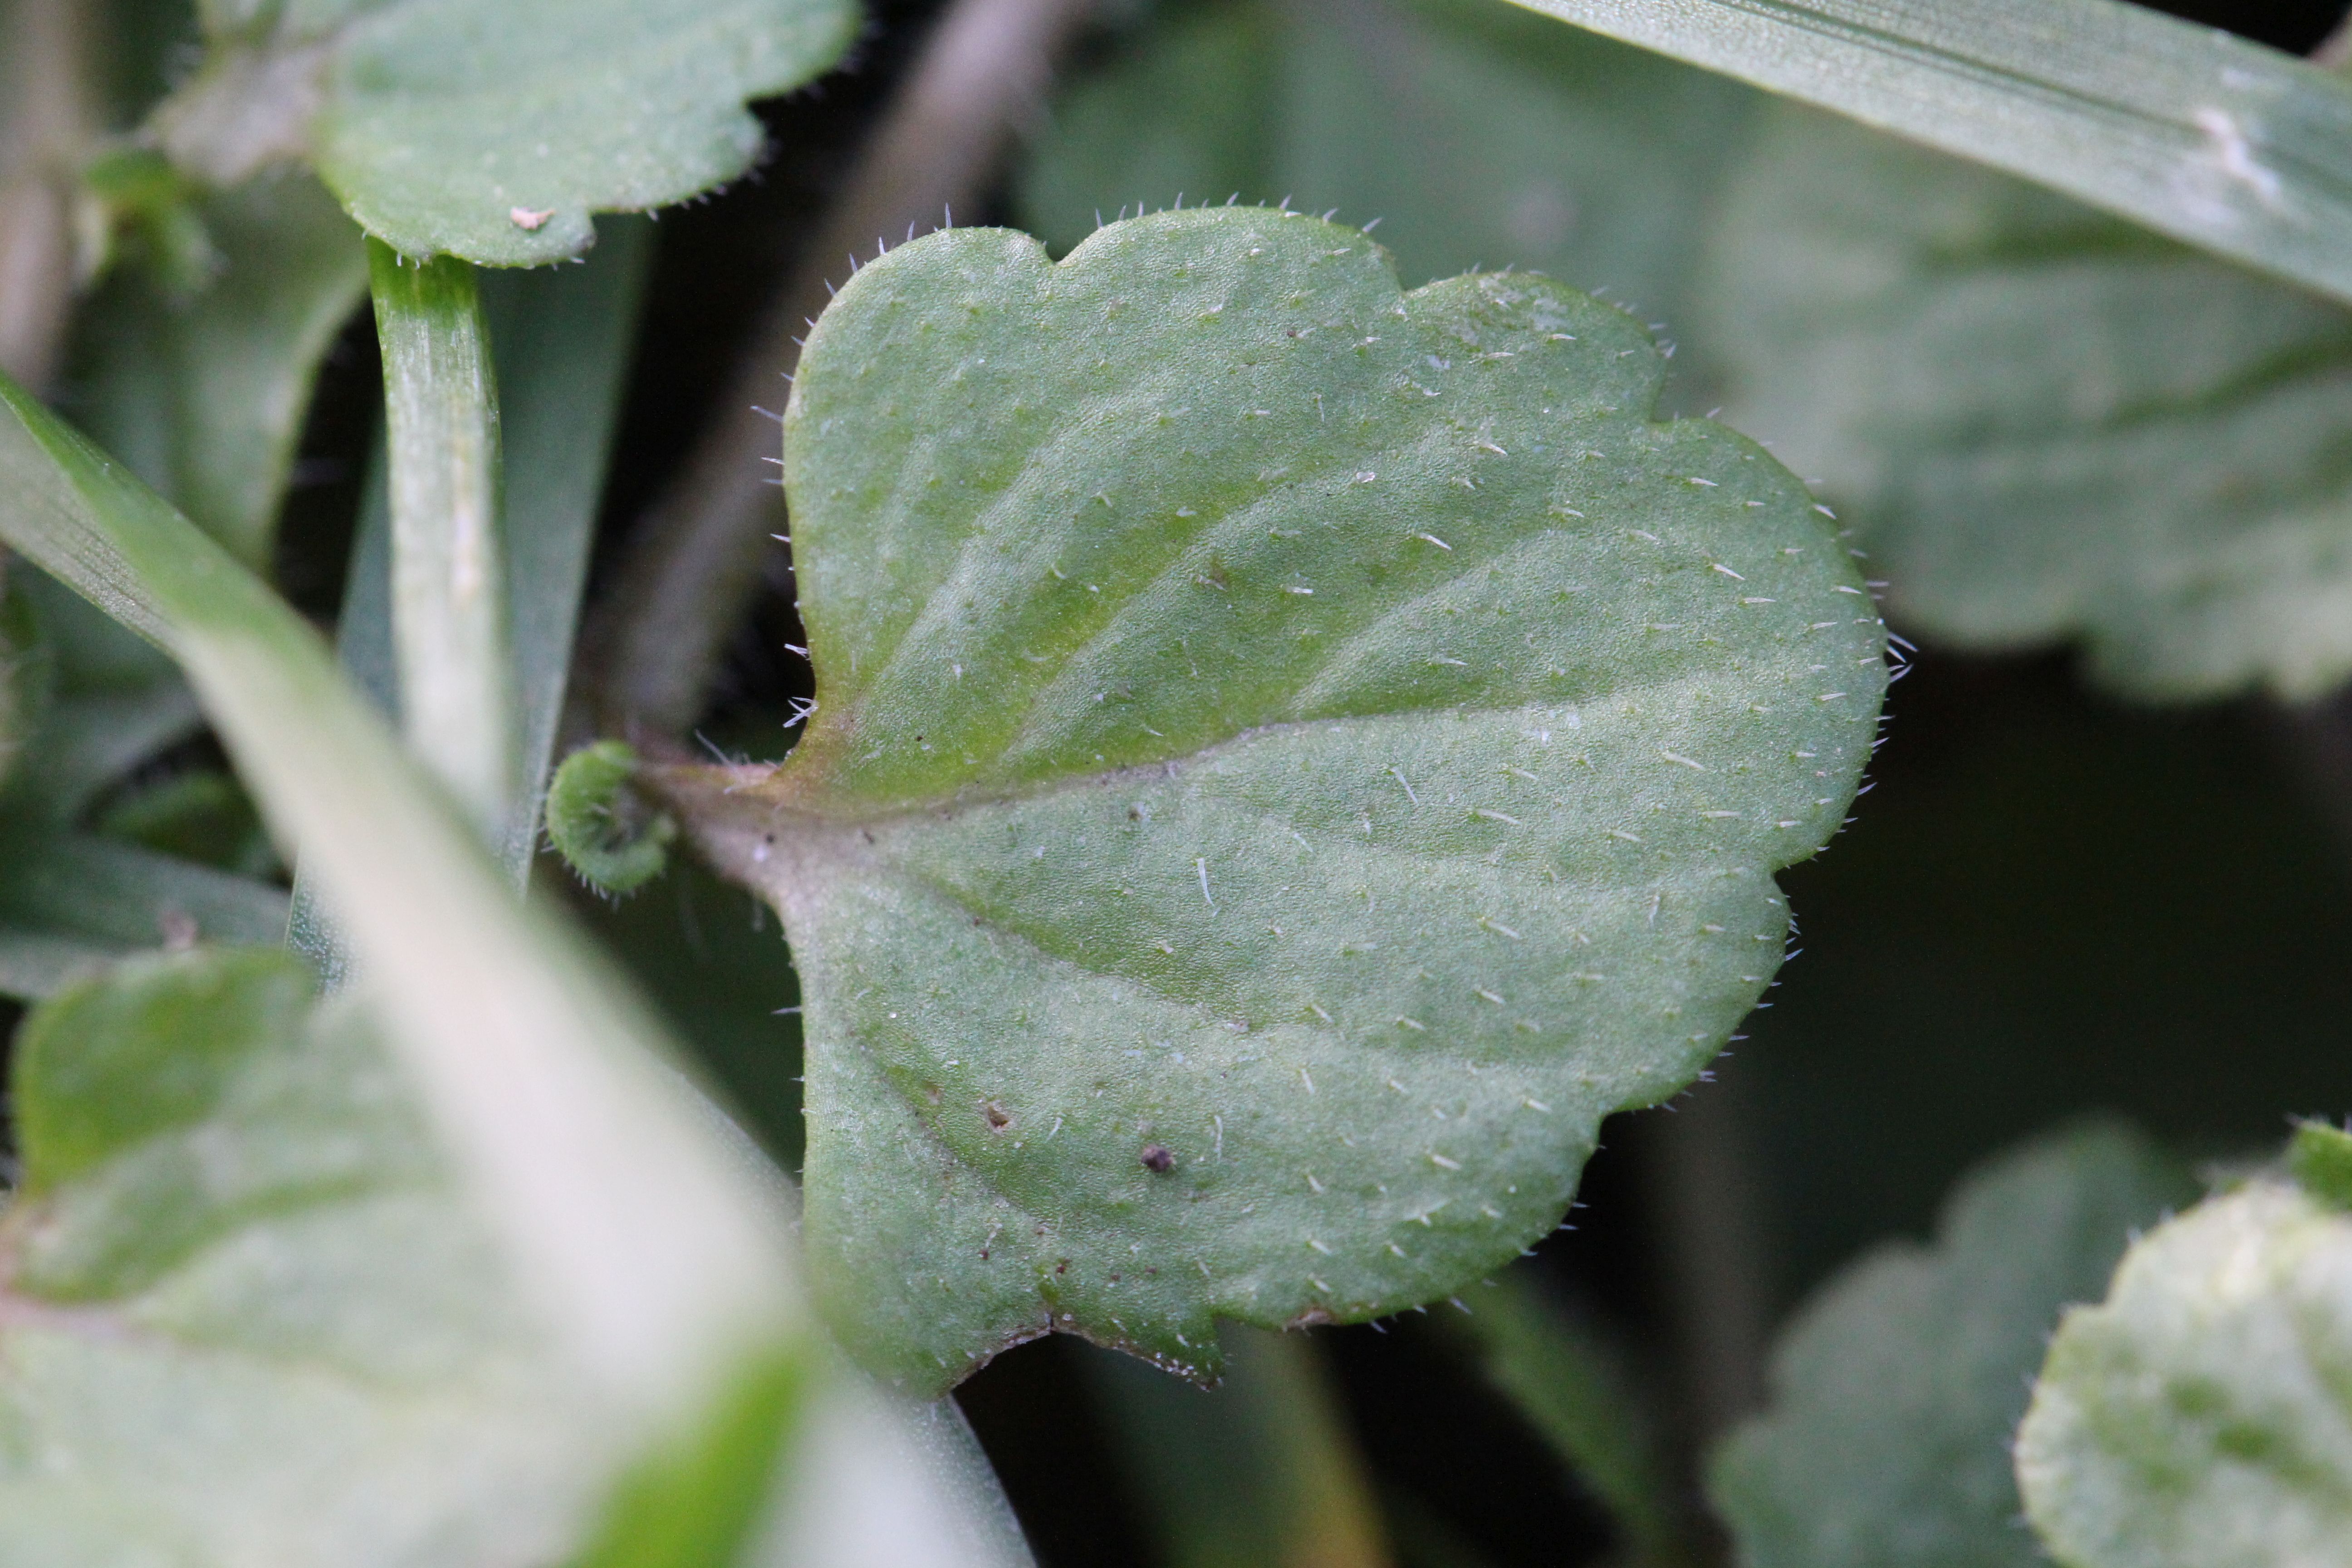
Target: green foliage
point(2202, 1413)
point(200, 383)
point(493, 129)
point(2320, 1159)
point(249, 1314)
point(1896, 1389)
point(1330, 746)
point(1477, 135)
point(600, 826)
point(2233, 147)
point(1969, 363)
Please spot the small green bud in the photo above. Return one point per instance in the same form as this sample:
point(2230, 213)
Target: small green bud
point(598, 823)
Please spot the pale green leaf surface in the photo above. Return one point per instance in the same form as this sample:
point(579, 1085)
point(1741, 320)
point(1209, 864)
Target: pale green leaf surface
point(493, 129)
point(1477, 136)
point(2225, 143)
point(1292, 757)
point(1896, 1388)
point(204, 396)
point(249, 1314)
point(2046, 423)
point(2201, 1415)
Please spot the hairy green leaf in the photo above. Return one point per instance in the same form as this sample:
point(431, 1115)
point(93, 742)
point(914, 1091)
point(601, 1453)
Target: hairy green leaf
point(1474, 134)
point(2225, 143)
point(2049, 424)
point(1292, 757)
point(2201, 1415)
point(493, 129)
point(203, 390)
point(1896, 1389)
point(250, 1312)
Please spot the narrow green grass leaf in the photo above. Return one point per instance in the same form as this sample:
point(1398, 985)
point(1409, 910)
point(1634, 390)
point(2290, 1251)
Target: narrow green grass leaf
point(2043, 422)
point(493, 129)
point(448, 539)
point(1896, 1388)
point(2200, 1417)
point(2226, 144)
point(1291, 757)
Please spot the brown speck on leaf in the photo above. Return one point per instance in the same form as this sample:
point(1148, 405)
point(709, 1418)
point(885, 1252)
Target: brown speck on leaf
point(999, 1119)
point(528, 221)
point(1156, 1159)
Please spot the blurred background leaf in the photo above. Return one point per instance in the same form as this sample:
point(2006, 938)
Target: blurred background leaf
point(1896, 1387)
point(2044, 422)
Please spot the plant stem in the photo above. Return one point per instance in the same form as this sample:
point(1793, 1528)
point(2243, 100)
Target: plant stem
point(44, 116)
point(693, 563)
point(448, 557)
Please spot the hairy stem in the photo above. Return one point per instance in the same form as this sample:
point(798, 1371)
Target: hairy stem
point(448, 557)
point(45, 115)
point(693, 564)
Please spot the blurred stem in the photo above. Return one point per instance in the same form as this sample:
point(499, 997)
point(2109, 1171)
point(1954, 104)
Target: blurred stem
point(45, 117)
point(1706, 1209)
point(1261, 1472)
point(696, 560)
point(1576, 1389)
point(448, 557)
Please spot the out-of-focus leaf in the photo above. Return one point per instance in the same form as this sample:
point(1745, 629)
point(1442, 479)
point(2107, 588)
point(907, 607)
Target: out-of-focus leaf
point(200, 816)
point(1292, 757)
point(252, 1314)
point(2201, 1415)
point(2211, 139)
point(1896, 1389)
point(1477, 136)
point(25, 675)
point(2049, 424)
point(1575, 1389)
point(1259, 1472)
point(203, 394)
point(660, 1277)
point(493, 129)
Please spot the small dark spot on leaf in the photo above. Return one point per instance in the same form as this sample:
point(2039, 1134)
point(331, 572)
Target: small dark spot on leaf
point(998, 1117)
point(1063, 1266)
point(1156, 1158)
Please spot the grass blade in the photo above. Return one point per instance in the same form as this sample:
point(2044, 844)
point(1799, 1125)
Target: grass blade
point(2197, 134)
point(448, 548)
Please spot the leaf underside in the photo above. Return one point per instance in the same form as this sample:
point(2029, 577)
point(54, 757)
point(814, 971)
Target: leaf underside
point(2201, 1415)
point(246, 1314)
point(1896, 1392)
point(1292, 757)
point(493, 129)
point(2048, 424)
